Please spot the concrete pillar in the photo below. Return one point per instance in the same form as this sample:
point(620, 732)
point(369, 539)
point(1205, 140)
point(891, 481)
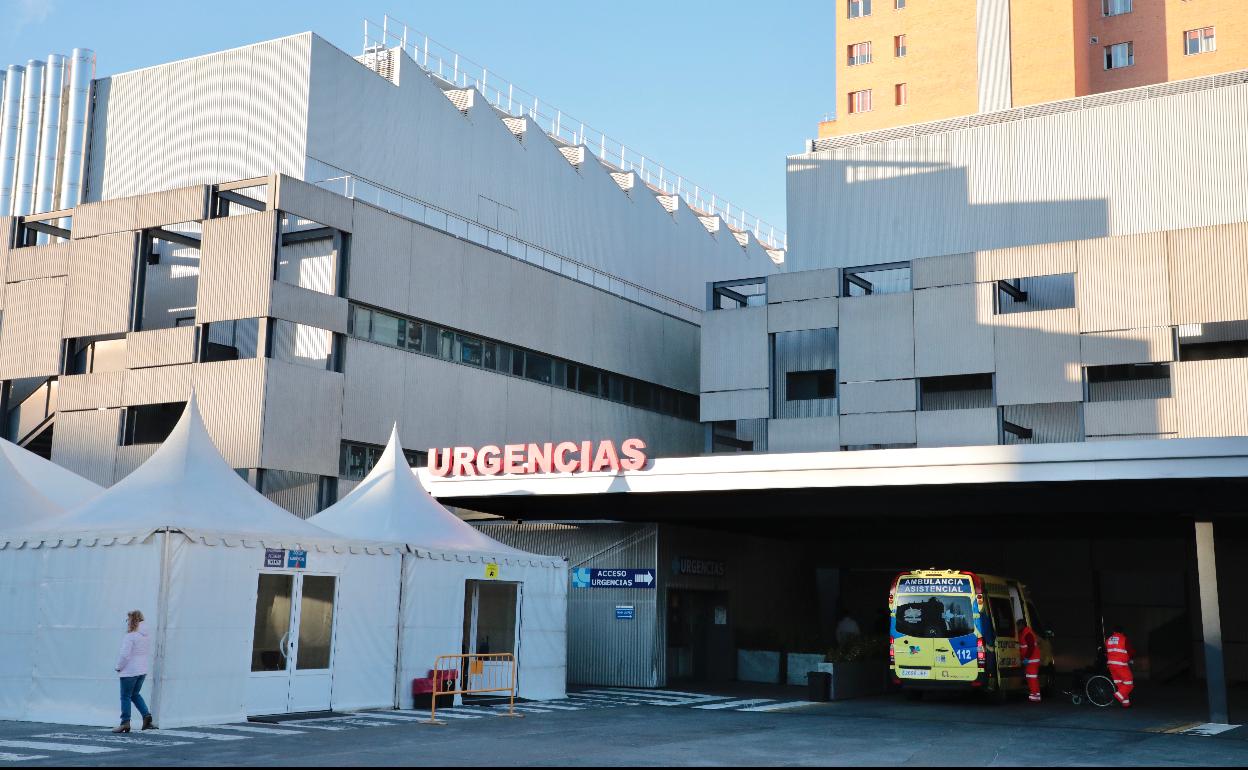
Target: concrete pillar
point(1211, 623)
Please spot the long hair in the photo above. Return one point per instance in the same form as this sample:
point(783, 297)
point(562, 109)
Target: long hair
point(133, 619)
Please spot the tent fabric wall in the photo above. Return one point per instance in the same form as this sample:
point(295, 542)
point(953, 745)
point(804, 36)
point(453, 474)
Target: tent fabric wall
point(365, 629)
point(63, 487)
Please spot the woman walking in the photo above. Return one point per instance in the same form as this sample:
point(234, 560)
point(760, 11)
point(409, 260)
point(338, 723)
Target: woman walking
point(132, 666)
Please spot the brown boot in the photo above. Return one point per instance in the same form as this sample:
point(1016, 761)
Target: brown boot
point(147, 723)
point(124, 727)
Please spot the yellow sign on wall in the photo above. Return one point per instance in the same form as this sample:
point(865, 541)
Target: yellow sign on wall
point(491, 571)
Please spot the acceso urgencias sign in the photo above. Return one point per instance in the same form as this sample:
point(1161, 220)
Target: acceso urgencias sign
point(521, 459)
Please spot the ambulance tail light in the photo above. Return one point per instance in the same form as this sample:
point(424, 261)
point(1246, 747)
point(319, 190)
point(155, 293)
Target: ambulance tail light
point(979, 602)
point(892, 653)
point(980, 654)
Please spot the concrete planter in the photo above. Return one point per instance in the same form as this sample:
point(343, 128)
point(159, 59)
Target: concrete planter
point(857, 679)
point(758, 666)
point(800, 664)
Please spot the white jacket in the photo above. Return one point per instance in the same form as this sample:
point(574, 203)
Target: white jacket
point(136, 651)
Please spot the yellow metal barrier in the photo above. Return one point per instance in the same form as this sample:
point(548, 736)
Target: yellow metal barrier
point(473, 674)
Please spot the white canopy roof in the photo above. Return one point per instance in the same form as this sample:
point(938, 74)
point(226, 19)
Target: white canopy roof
point(185, 486)
point(61, 486)
point(21, 505)
point(391, 505)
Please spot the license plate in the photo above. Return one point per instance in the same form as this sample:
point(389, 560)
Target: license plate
point(916, 673)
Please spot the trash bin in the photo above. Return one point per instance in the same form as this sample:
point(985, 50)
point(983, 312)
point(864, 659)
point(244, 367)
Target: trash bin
point(819, 686)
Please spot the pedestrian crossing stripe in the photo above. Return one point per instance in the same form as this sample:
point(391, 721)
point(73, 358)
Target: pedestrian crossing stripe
point(737, 704)
point(7, 756)
point(780, 706)
point(73, 748)
point(204, 736)
point(124, 740)
point(257, 730)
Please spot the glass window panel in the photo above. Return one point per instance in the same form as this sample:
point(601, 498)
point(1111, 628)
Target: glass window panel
point(360, 317)
point(268, 641)
point(489, 355)
point(561, 373)
point(537, 367)
point(588, 381)
point(446, 345)
point(316, 623)
point(415, 332)
point(469, 350)
point(386, 328)
point(517, 362)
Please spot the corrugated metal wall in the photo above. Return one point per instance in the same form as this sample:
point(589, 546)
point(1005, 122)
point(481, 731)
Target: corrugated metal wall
point(803, 351)
point(993, 48)
point(30, 337)
point(101, 284)
point(236, 267)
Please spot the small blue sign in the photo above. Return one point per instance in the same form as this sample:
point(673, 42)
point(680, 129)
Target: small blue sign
point(624, 611)
point(297, 559)
point(274, 557)
point(585, 577)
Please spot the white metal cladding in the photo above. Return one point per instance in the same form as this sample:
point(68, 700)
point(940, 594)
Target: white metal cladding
point(1049, 423)
point(735, 350)
point(1209, 274)
point(29, 262)
point(160, 347)
point(158, 385)
point(1148, 417)
point(1025, 261)
point(1211, 397)
point(1023, 181)
point(806, 350)
point(877, 338)
point(311, 202)
point(812, 284)
point(232, 115)
point(131, 457)
point(993, 49)
point(171, 207)
point(802, 314)
point(957, 427)
point(887, 396)
point(804, 434)
point(101, 284)
point(1038, 357)
point(230, 395)
point(30, 337)
point(305, 306)
point(295, 437)
point(86, 443)
point(429, 149)
point(1123, 283)
point(103, 218)
point(954, 330)
point(887, 428)
point(1134, 346)
point(236, 267)
point(89, 391)
point(380, 265)
point(944, 270)
point(736, 405)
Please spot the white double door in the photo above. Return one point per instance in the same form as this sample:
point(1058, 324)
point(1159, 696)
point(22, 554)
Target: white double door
point(292, 649)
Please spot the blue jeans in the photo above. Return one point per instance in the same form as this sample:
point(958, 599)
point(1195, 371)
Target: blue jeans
point(130, 686)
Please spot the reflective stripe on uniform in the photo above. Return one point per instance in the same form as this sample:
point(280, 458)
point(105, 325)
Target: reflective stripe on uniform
point(1032, 676)
point(1115, 649)
point(1032, 660)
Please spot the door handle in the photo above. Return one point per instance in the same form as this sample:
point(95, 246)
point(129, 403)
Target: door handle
point(283, 645)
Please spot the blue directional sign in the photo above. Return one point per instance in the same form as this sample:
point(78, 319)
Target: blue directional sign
point(297, 559)
point(624, 611)
point(586, 577)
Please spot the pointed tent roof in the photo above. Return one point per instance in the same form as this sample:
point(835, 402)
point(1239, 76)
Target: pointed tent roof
point(63, 487)
point(391, 505)
point(21, 505)
point(187, 486)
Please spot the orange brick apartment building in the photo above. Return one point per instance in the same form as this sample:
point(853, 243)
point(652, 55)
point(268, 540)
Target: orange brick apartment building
point(911, 61)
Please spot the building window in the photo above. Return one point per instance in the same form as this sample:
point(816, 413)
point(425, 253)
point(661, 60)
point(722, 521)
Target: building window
point(357, 459)
point(899, 4)
point(899, 46)
point(92, 355)
point(859, 53)
point(1207, 342)
point(890, 278)
point(1045, 292)
point(860, 101)
point(901, 94)
point(1115, 7)
point(958, 391)
point(1119, 55)
point(1199, 41)
point(859, 8)
point(806, 386)
point(1128, 382)
point(151, 423)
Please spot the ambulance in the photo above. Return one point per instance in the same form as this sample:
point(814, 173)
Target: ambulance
point(956, 630)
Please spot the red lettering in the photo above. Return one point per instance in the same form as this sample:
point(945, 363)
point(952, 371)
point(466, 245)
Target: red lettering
point(562, 463)
point(587, 457)
point(440, 462)
point(488, 461)
point(634, 451)
point(606, 459)
point(540, 460)
point(513, 459)
point(462, 461)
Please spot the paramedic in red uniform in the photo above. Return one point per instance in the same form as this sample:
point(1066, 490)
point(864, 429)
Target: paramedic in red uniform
point(1118, 654)
point(1029, 652)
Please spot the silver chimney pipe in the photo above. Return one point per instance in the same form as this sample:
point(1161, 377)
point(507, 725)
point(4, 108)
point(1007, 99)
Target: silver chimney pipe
point(10, 118)
point(49, 135)
point(77, 121)
point(28, 142)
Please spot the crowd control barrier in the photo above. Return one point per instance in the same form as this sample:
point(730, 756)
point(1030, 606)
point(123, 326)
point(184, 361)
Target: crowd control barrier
point(473, 674)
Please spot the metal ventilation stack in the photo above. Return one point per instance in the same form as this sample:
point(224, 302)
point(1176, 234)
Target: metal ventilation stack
point(45, 111)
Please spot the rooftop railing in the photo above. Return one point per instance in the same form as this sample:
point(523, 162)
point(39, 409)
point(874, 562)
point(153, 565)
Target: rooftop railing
point(450, 67)
point(443, 220)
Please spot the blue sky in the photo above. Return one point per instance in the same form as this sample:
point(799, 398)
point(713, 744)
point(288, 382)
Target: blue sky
point(719, 93)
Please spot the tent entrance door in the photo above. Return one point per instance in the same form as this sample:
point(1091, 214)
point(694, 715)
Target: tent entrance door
point(292, 646)
point(492, 623)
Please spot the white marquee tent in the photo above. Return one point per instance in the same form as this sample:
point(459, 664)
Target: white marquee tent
point(453, 577)
point(61, 486)
point(187, 541)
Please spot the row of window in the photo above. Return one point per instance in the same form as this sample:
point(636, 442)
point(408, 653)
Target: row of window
point(862, 101)
point(860, 53)
point(449, 345)
point(859, 8)
point(356, 459)
point(1195, 41)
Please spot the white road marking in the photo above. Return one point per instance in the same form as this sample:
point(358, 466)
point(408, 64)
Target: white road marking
point(641, 697)
point(6, 756)
point(395, 717)
point(257, 730)
point(312, 724)
point(559, 706)
point(736, 704)
point(456, 714)
point(672, 693)
point(690, 701)
point(205, 736)
point(124, 739)
point(73, 748)
point(1209, 729)
point(781, 706)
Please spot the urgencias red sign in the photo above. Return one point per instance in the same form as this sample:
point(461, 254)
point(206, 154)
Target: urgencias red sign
point(564, 457)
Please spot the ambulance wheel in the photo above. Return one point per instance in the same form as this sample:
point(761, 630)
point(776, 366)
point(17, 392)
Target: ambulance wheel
point(914, 695)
